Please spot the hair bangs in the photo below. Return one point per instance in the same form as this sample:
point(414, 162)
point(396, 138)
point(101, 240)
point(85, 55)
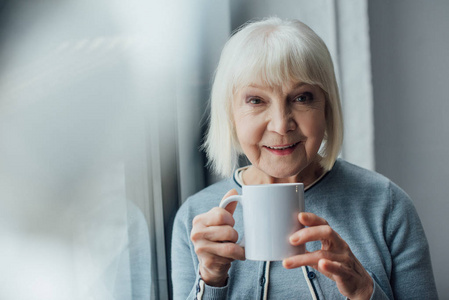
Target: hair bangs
point(270, 53)
point(272, 60)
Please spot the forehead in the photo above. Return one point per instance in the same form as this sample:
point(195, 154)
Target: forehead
point(279, 89)
point(279, 75)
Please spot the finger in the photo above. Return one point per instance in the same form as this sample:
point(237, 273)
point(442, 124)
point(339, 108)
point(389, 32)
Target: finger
point(215, 234)
point(211, 260)
point(323, 233)
point(215, 217)
point(226, 250)
point(342, 269)
point(332, 269)
point(352, 279)
point(310, 219)
point(310, 259)
point(231, 206)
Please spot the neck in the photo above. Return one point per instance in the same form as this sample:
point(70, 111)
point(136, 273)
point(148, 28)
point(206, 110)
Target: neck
point(308, 175)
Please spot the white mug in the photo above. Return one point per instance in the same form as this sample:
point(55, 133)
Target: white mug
point(270, 216)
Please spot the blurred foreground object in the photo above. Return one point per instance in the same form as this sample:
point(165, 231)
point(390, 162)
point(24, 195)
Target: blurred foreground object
point(68, 92)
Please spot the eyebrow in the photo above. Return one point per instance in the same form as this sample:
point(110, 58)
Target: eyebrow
point(298, 85)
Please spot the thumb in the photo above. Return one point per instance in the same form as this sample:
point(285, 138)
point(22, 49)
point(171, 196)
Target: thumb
point(231, 206)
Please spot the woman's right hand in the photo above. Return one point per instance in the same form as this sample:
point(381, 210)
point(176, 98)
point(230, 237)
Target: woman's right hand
point(214, 238)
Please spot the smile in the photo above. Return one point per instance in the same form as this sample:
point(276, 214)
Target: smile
point(282, 147)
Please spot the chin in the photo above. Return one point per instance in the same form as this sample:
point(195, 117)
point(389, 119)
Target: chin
point(285, 173)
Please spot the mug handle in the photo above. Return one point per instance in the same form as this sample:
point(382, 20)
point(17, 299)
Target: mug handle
point(225, 202)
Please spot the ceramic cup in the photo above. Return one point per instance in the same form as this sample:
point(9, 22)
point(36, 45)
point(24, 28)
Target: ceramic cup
point(270, 216)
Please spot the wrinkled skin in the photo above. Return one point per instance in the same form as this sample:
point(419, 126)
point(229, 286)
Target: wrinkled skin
point(280, 130)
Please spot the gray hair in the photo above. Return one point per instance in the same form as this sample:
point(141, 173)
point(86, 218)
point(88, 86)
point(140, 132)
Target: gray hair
point(270, 52)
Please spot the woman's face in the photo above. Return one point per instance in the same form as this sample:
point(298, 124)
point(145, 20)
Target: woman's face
point(280, 129)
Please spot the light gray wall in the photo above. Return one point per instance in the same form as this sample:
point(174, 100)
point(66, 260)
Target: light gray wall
point(410, 65)
point(343, 26)
point(409, 43)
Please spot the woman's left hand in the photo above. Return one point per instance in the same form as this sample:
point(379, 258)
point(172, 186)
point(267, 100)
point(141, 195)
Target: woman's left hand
point(335, 259)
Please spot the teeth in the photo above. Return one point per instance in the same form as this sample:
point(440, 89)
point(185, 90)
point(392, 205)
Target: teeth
point(281, 148)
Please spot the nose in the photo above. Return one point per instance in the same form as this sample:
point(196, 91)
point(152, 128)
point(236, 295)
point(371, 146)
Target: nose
point(281, 119)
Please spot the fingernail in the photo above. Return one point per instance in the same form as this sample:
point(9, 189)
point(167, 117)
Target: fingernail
point(286, 263)
point(294, 239)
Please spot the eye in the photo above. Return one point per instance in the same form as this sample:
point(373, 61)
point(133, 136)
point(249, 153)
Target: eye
point(253, 101)
point(304, 98)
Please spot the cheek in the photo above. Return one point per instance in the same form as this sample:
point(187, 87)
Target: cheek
point(249, 134)
point(245, 132)
point(314, 127)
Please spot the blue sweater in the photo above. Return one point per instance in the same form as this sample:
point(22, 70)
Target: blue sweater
point(374, 216)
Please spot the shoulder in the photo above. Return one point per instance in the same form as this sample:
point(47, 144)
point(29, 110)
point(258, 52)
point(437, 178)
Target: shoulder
point(353, 185)
point(210, 196)
point(357, 178)
point(350, 173)
point(205, 199)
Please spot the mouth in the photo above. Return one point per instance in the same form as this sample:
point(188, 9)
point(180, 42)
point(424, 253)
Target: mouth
point(282, 149)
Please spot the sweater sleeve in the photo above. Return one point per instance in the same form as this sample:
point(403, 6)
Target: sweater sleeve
point(411, 274)
point(187, 283)
point(378, 293)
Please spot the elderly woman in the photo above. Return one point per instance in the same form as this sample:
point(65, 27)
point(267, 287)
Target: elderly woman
point(275, 100)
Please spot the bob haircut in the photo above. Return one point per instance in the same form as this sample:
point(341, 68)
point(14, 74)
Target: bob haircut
point(270, 52)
